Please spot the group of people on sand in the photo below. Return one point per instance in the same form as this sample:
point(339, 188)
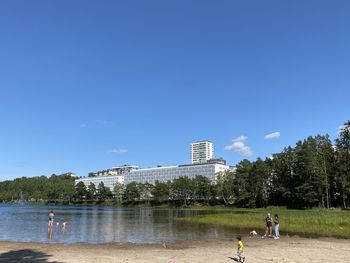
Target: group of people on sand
point(276, 222)
point(268, 233)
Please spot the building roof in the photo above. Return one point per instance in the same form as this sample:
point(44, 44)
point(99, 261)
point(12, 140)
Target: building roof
point(202, 141)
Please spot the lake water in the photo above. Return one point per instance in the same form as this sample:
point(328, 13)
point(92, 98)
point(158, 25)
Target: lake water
point(100, 224)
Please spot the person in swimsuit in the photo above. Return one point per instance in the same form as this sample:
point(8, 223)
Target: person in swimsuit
point(268, 220)
point(51, 216)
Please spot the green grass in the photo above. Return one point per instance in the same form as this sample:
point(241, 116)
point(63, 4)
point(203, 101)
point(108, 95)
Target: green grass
point(312, 223)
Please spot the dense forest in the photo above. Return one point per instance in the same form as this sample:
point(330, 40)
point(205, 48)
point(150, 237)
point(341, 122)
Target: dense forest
point(38, 189)
point(313, 173)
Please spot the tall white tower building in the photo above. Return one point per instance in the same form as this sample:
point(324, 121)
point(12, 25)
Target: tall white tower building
point(201, 151)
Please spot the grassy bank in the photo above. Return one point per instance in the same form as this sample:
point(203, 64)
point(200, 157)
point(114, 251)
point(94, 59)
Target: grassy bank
point(315, 222)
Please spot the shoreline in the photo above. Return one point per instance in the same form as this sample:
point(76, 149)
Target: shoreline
point(257, 250)
point(179, 244)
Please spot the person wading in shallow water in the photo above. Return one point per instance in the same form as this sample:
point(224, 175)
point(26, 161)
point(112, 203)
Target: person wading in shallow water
point(268, 226)
point(51, 216)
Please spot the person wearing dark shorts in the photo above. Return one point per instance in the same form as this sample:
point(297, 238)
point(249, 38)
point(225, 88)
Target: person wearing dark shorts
point(51, 216)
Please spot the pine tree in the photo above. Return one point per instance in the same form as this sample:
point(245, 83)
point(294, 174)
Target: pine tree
point(343, 163)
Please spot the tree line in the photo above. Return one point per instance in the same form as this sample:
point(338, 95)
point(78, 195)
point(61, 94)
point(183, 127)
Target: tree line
point(56, 188)
point(313, 173)
point(180, 191)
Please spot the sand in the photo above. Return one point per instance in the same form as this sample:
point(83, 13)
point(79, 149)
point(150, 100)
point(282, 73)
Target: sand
point(287, 249)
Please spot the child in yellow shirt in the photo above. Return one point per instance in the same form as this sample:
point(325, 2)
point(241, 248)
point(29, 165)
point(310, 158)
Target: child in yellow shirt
point(240, 247)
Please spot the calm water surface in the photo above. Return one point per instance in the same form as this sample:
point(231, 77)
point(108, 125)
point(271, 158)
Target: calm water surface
point(98, 224)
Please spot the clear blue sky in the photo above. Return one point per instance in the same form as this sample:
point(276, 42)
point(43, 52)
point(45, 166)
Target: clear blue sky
point(87, 85)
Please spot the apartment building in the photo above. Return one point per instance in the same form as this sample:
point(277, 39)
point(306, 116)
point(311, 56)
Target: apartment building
point(160, 174)
point(201, 152)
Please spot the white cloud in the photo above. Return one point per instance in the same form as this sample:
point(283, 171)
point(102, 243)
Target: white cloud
point(241, 138)
point(238, 145)
point(83, 125)
point(273, 135)
point(115, 150)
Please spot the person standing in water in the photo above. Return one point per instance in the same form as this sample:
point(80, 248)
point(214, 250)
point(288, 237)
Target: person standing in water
point(51, 216)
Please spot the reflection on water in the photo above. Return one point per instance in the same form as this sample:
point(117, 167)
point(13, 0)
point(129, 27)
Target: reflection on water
point(95, 224)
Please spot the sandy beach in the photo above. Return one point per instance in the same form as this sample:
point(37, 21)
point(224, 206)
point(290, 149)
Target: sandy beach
point(287, 249)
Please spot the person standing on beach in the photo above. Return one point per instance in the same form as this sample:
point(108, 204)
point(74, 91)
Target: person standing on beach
point(277, 226)
point(240, 247)
point(268, 220)
point(51, 216)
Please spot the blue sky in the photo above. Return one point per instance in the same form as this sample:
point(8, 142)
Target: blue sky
point(87, 85)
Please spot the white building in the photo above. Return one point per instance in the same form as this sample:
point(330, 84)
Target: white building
point(201, 152)
point(161, 174)
point(115, 170)
point(170, 173)
point(109, 181)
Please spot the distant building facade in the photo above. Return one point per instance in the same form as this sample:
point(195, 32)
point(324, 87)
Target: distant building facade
point(170, 173)
point(217, 160)
point(109, 181)
point(203, 164)
point(160, 174)
point(114, 171)
point(201, 152)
